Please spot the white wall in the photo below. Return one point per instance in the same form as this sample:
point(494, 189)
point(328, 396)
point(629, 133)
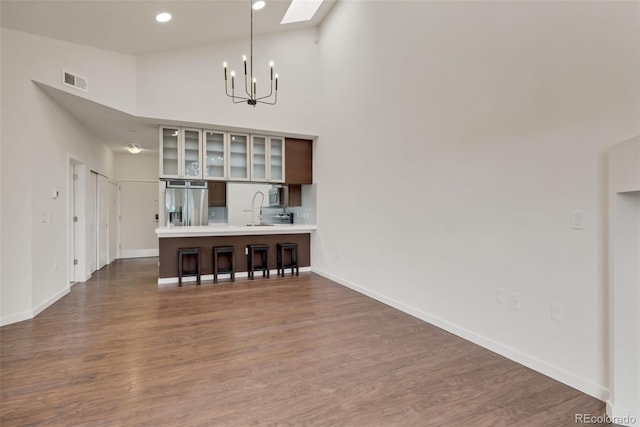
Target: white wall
point(37, 138)
point(136, 167)
point(188, 84)
point(461, 135)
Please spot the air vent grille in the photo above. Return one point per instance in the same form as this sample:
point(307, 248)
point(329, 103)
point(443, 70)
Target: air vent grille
point(75, 81)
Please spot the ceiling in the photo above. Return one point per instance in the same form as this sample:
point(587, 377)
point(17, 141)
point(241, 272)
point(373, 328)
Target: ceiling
point(130, 26)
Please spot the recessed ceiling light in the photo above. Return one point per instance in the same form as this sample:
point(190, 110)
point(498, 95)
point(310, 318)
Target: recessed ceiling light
point(257, 5)
point(301, 10)
point(163, 17)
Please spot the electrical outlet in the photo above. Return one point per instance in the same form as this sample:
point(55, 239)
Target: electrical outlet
point(577, 220)
point(501, 295)
point(514, 300)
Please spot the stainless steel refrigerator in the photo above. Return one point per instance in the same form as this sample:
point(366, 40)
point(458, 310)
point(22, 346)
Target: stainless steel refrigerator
point(186, 203)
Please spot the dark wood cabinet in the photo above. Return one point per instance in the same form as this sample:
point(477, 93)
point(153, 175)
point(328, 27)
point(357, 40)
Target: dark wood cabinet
point(295, 195)
point(298, 161)
point(217, 194)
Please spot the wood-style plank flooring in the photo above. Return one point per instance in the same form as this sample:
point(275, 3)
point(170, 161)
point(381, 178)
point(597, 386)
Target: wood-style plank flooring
point(298, 351)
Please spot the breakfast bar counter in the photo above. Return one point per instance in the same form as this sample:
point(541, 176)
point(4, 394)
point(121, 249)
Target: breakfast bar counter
point(206, 237)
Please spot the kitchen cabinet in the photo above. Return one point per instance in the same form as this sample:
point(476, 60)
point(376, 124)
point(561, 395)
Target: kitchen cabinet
point(267, 159)
point(295, 195)
point(299, 166)
point(211, 155)
point(216, 155)
point(180, 153)
point(217, 194)
point(238, 157)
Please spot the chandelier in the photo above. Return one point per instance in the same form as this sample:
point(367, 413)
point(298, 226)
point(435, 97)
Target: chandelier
point(250, 82)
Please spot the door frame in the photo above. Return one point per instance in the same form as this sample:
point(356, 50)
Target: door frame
point(76, 182)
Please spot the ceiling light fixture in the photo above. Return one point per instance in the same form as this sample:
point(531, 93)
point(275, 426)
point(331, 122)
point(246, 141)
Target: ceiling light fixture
point(134, 148)
point(258, 5)
point(163, 17)
point(250, 82)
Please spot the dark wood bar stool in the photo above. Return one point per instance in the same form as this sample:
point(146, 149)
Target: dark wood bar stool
point(188, 252)
point(230, 252)
point(252, 252)
point(281, 249)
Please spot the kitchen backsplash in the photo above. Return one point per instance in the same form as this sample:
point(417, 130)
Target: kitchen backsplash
point(218, 215)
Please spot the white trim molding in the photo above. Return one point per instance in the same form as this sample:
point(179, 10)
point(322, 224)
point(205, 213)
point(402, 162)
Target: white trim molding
point(545, 368)
point(138, 253)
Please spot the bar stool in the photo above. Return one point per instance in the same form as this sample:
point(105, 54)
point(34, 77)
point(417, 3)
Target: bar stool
point(293, 249)
point(188, 252)
point(230, 252)
point(252, 251)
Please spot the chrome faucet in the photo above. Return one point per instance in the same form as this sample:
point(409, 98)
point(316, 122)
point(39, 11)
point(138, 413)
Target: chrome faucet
point(253, 207)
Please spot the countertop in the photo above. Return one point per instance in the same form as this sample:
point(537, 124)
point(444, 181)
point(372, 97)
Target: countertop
point(233, 230)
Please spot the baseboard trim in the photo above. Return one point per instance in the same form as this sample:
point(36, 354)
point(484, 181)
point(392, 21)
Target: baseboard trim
point(30, 314)
point(558, 374)
point(138, 253)
point(42, 306)
point(15, 318)
point(206, 277)
point(622, 416)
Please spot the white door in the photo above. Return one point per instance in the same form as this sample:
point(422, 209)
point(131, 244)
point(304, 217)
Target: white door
point(113, 221)
point(103, 221)
point(92, 227)
point(138, 210)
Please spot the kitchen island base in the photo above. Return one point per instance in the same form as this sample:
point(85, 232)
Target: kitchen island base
point(168, 260)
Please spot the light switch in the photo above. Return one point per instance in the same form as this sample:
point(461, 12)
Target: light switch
point(577, 220)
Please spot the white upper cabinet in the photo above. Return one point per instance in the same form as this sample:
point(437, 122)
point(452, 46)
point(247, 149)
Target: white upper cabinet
point(180, 153)
point(238, 157)
point(192, 157)
point(258, 158)
point(169, 152)
point(267, 158)
point(215, 155)
point(276, 159)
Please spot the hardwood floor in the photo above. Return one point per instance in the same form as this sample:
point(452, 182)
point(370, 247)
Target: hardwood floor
point(279, 352)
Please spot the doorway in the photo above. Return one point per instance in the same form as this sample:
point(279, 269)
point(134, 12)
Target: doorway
point(138, 219)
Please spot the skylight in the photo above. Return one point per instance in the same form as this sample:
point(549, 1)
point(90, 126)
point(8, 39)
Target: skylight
point(301, 10)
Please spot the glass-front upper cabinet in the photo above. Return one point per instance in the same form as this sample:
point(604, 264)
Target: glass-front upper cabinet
point(169, 152)
point(258, 158)
point(180, 153)
point(192, 149)
point(238, 157)
point(215, 152)
point(276, 159)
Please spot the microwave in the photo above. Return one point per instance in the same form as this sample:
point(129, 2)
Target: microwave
point(278, 196)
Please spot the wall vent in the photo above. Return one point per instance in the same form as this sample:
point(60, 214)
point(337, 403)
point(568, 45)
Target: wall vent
point(75, 81)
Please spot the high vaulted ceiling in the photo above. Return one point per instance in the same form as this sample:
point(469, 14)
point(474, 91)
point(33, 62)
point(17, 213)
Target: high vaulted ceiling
point(130, 26)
